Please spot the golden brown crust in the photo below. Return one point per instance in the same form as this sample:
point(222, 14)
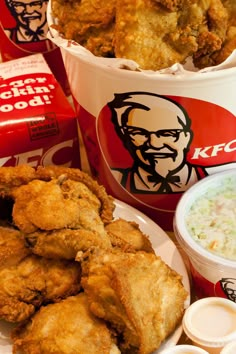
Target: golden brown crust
point(11, 177)
point(66, 243)
point(212, 34)
point(107, 202)
point(89, 22)
point(12, 247)
point(128, 236)
point(65, 327)
point(35, 281)
point(154, 33)
point(136, 294)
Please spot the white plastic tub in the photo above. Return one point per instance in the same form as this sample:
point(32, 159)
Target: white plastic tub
point(212, 274)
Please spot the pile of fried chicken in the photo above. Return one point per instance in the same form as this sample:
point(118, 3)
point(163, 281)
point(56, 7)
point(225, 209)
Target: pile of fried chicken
point(154, 33)
point(74, 279)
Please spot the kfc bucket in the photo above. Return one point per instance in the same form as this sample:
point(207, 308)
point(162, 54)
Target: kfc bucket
point(151, 135)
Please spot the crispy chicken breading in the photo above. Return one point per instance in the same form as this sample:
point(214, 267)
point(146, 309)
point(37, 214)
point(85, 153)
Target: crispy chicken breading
point(66, 327)
point(136, 293)
point(54, 205)
point(35, 281)
point(107, 202)
point(128, 236)
point(11, 178)
point(229, 44)
point(66, 243)
point(212, 32)
point(91, 23)
point(12, 247)
point(154, 33)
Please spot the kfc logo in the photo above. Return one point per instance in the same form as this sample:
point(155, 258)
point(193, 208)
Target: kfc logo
point(228, 286)
point(161, 145)
point(59, 154)
point(31, 20)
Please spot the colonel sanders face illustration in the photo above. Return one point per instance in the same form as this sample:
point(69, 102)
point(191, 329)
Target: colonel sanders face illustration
point(229, 287)
point(30, 17)
point(155, 130)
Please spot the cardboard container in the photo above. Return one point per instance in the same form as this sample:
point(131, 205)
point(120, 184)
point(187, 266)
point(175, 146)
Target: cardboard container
point(38, 125)
point(181, 125)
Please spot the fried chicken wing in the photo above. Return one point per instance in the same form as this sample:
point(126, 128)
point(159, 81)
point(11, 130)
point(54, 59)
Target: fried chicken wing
point(128, 236)
point(35, 281)
point(136, 293)
point(66, 327)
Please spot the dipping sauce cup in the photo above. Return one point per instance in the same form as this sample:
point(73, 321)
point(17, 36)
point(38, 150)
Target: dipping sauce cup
point(210, 323)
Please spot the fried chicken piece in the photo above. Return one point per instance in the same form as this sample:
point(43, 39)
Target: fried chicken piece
point(128, 236)
point(35, 281)
point(88, 22)
point(12, 247)
point(212, 33)
point(56, 204)
point(136, 293)
point(152, 35)
point(66, 243)
point(11, 177)
point(66, 327)
point(107, 202)
point(229, 44)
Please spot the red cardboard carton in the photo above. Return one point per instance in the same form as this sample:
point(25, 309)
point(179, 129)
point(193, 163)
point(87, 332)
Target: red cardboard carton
point(37, 123)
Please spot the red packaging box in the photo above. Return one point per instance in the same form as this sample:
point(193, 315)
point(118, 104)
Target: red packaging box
point(38, 125)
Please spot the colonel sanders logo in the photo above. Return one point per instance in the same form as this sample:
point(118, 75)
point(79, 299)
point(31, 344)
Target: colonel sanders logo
point(228, 286)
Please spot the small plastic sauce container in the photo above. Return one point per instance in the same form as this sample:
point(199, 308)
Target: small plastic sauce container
point(230, 348)
point(210, 323)
point(184, 349)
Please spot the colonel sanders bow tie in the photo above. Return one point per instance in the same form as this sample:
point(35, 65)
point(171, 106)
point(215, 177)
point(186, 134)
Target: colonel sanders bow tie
point(164, 181)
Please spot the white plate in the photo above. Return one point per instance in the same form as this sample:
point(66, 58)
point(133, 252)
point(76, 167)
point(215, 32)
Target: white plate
point(162, 245)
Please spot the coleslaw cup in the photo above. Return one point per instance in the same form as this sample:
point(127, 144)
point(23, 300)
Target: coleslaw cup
point(212, 273)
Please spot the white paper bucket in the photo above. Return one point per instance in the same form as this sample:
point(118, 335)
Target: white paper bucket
point(183, 126)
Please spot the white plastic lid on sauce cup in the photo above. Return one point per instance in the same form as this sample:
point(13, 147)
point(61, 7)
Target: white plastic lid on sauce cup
point(184, 349)
point(211, 323)
point(230, 348)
